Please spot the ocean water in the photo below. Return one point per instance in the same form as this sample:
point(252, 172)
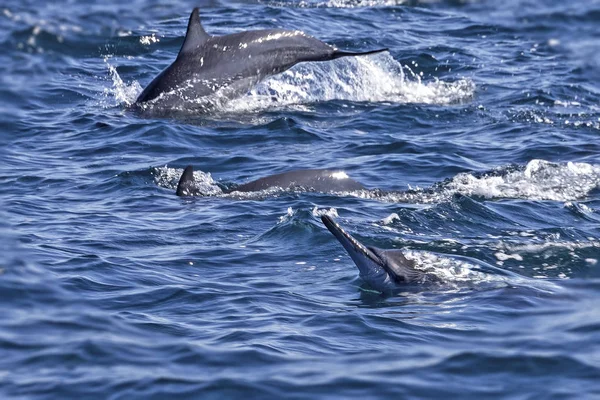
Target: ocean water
point(477, 136)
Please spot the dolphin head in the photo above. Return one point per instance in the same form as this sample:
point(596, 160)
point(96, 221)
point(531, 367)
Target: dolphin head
point(383, 270)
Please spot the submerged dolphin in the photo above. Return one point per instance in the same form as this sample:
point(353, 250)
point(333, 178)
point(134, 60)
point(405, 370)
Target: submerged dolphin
point(320, 180)
point(233, 63)
point(383, 270)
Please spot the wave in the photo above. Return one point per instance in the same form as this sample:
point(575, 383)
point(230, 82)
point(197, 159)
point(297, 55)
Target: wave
point(347, 3)
point(360, 79)
point(538, 180)
point(377, 78)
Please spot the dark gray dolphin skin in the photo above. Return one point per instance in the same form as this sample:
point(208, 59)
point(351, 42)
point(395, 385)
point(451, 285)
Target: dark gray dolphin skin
point(234, 63)
point(320, 180)
point(383, 270)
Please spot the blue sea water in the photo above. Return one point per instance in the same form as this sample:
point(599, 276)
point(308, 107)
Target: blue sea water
point(477, 135)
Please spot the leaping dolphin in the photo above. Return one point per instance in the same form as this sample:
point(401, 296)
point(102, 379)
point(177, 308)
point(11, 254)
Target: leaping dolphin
point(383, 270)
point(233, 63)
point(320, 180)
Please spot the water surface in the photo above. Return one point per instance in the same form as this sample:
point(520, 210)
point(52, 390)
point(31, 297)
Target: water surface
point(476, 136)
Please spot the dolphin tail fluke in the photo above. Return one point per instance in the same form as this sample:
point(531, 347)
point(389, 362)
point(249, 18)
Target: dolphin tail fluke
point(339, 54)
point(186, 182)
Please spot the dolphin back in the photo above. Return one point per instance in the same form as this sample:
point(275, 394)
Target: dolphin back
point(319, 180)
point(207, 64)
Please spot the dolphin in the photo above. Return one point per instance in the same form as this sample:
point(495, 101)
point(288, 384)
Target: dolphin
point(388, 270)
point(320, 180)
point(233, 63)
point(384, 270)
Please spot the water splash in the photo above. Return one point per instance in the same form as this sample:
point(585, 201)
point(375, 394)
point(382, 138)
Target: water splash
point(447, 269)
point(561, 114)
point(538, 180)
point(458, 271)
point(289, 214)
point(149, 39)
point(332, 212)
point(377, 78)
point(121, 92)
point(345, 3)
point(169, 178)
point(557, 256)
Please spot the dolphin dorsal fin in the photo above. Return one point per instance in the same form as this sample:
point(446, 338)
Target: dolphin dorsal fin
point(195, 35)
point(186, 182)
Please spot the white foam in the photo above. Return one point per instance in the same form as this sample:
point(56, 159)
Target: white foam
point(376, 78)
point(456, 271)
point(169, 177)
point(332, 212)
point(539, 180)
point(448, 269)
point(503, 256)
point(549, 252)
point(149, 39)
point(559, 114)
point(390, 219)
point(123, 93)
point(289, 214)
point(352, 3)
point(540, 248)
